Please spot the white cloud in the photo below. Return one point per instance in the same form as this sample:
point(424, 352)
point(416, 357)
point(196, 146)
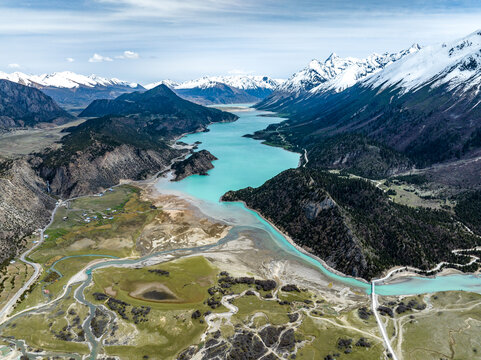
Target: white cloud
point(14, 66)
point(70, 60)
point(96, 58)
point(128, 55)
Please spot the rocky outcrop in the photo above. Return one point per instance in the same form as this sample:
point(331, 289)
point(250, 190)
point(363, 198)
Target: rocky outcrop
point(22, 106)
point(24, 205)
point(198, 163)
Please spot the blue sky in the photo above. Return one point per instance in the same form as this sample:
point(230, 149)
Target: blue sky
point(149, 40)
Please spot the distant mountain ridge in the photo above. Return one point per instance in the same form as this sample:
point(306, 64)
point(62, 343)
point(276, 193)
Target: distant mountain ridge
point(224, 89)
point(64, 79)
point(76, 91)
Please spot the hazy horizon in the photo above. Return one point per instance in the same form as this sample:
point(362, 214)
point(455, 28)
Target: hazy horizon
point(147, 40)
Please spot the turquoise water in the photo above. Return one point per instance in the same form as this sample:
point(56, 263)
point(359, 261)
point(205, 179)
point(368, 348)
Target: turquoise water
point(242, 161)
point(245, 162)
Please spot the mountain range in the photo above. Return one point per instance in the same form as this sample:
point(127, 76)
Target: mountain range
point(72, 90)
point(424, 106)
point(75, 92)
point(333, 74)
point(233, 89)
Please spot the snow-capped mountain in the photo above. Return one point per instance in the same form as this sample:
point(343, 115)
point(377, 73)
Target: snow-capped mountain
point(73, 90)
point(338, 73)
point(426, 103)
point(19, 78)
point(455, 64)
point(64, 79)
point(223, 89)
point(169, 83)
point(243, 82)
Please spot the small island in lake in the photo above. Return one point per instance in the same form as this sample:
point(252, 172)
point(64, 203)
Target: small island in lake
point(198, 163)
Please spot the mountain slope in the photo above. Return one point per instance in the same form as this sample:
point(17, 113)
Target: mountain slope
point(24, 205)
point(352, 225)
point(425, 106)
point(100, 152)
point(25, 106)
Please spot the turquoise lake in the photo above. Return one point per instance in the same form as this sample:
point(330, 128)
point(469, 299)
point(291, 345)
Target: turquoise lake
point(246, 162)
point(242, 161)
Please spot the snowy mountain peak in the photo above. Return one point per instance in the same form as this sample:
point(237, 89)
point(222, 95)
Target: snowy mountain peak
point(244, 82)
point(455, 64)
point(414, 47)
point(333, 57)
point(64, 79)
point(337, 73)
point(315, 65)
point(17, 77)
point(167, 82)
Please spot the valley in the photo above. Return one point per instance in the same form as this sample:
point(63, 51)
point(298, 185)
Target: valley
point(157, 255)
point(333, 215)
